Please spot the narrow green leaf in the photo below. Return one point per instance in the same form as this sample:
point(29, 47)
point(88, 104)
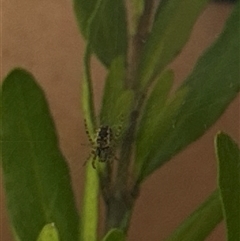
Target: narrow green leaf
point(36, 177)
point(150, 144)
point(84, 11)
point(114, 235)
point(228, 155)
point(200, 101)
point(121, 111)
point(171, 30)
point(113, 90)
point(117, 100)
point(108, 32)
point(201, 222)
point(152, 113)
point(48, 233)
point(103, 23)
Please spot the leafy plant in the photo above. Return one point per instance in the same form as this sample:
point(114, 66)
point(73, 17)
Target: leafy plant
point(153, 126)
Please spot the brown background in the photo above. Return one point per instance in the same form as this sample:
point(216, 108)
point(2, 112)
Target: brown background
point(42, 36)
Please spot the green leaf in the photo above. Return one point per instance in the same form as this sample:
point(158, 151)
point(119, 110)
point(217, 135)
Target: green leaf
point(199, 102)
point(201, 222)
point(117, 100)
point(150, 144)
point(152, 113)
point(137, 8)
point(84, 11)
point(114, 235)
point(36, 176)
point(103, 23)
point(171, 29)
point(113, 90)
point(48, 233)
point(228, 155)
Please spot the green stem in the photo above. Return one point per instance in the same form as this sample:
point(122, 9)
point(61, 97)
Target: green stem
point(87, 94)
point(89, 220)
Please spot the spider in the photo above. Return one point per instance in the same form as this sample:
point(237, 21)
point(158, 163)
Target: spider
point(104, 143)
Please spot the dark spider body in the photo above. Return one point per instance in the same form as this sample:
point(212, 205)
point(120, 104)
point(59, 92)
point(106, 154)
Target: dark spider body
point(103, 148)
point(104, 144)
point(104, 136)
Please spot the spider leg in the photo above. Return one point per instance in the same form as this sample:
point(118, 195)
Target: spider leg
point(88, 134)
point(93, 164)
point(84, 164)
point(93, 155)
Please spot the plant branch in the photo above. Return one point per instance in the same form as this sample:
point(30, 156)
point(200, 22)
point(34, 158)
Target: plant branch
point(136, 46)
point(137, 42)
point(122, 200)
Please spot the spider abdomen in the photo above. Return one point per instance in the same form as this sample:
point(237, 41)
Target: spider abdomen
point(104, 137)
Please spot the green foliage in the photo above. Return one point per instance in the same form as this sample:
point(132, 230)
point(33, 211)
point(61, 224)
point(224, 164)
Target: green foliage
point(114, 235)
point(156, 125)
point(171, 29)
point(199, 102)
point(137, 11)
point(228, 155)
point(103, 23)
point(201, 222)
point(84, 11)
point(152, 115)
point(36, 176)
point(117, 100)
point(48, 233)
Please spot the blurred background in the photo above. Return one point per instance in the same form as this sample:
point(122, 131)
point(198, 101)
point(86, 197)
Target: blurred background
point(42, 36)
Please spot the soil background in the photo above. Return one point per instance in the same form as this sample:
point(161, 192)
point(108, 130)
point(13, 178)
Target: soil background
point(42, 36)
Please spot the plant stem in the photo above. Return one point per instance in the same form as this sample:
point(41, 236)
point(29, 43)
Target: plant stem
point(136, 44)
point(122, 196)
point(119, 212)
point(89, 220)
